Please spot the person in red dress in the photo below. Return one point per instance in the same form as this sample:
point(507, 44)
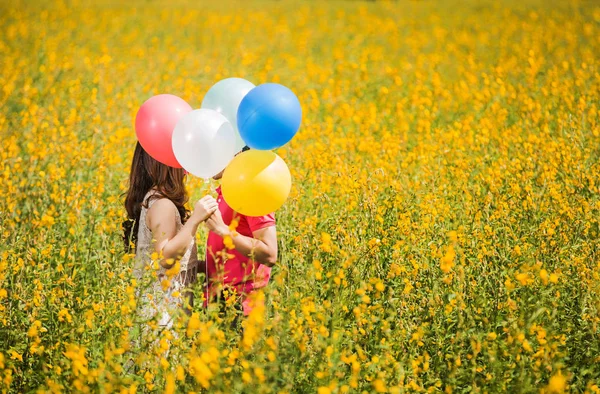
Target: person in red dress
point(240, 251)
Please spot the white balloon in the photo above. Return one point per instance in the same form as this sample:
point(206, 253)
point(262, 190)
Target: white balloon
point(203, 142)
point(225, 97)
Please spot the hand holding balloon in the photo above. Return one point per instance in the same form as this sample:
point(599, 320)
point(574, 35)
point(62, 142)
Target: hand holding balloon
point(216, 224)
point(205, 208)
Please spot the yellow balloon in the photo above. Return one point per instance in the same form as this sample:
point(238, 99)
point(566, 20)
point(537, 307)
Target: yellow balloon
point(256, 183)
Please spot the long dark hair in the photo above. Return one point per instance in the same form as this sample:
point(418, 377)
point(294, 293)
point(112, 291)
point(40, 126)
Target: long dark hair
point(147, 173)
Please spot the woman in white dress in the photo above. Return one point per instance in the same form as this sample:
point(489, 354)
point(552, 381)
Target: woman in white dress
point(158, 222)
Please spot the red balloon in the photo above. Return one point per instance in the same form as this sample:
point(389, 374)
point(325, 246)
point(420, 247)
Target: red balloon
point(154, 125)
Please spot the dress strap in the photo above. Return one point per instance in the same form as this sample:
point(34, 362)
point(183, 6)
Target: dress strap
point(148, 200)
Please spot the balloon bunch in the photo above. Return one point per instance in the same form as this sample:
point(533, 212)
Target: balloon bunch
point(234, 113)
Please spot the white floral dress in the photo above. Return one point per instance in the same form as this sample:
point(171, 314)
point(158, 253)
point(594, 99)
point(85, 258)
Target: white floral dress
point(156, 302)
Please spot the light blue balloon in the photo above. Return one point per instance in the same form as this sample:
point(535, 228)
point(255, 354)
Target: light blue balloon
point(225, 97)
point(269, 116)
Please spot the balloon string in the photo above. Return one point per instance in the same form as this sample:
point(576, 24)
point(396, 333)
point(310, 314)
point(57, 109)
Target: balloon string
point(206, 279)
point(207, 190)
point(210, 189)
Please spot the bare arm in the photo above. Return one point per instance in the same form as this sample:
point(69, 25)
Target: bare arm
point(262, 248)
point(162, 221)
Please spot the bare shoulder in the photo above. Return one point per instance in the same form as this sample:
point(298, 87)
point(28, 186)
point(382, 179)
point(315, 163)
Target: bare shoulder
point(162, 209)
point(162, 204)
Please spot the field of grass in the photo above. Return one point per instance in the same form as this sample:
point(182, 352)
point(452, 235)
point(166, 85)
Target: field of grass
point(442, 234)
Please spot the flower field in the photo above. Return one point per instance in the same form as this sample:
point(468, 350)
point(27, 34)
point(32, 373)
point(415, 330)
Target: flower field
point(442, 233)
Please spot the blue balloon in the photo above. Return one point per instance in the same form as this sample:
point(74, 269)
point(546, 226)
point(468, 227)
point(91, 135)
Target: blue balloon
point(269, 116)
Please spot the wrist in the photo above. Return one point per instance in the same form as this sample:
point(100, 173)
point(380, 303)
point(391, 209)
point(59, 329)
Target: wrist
point(196, 218)
point(224, 231)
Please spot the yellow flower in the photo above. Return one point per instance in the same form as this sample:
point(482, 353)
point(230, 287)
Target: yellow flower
point(260, 374)
point(34, 329)
point(326, 244)
point(246, 377)
point(174, 270)
point(170, 386)
point(194, 324)
point(201, 372)
point(255, 321)
point(453, 236)
point(447, 262)
point(234, 223)
point(523, 278)
point(509, 284)
point(78, 359)
point(180, 373)
point(557, 383)
point(64, 315)
point(379, 386)
point(228, 242)
point(15, 356)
